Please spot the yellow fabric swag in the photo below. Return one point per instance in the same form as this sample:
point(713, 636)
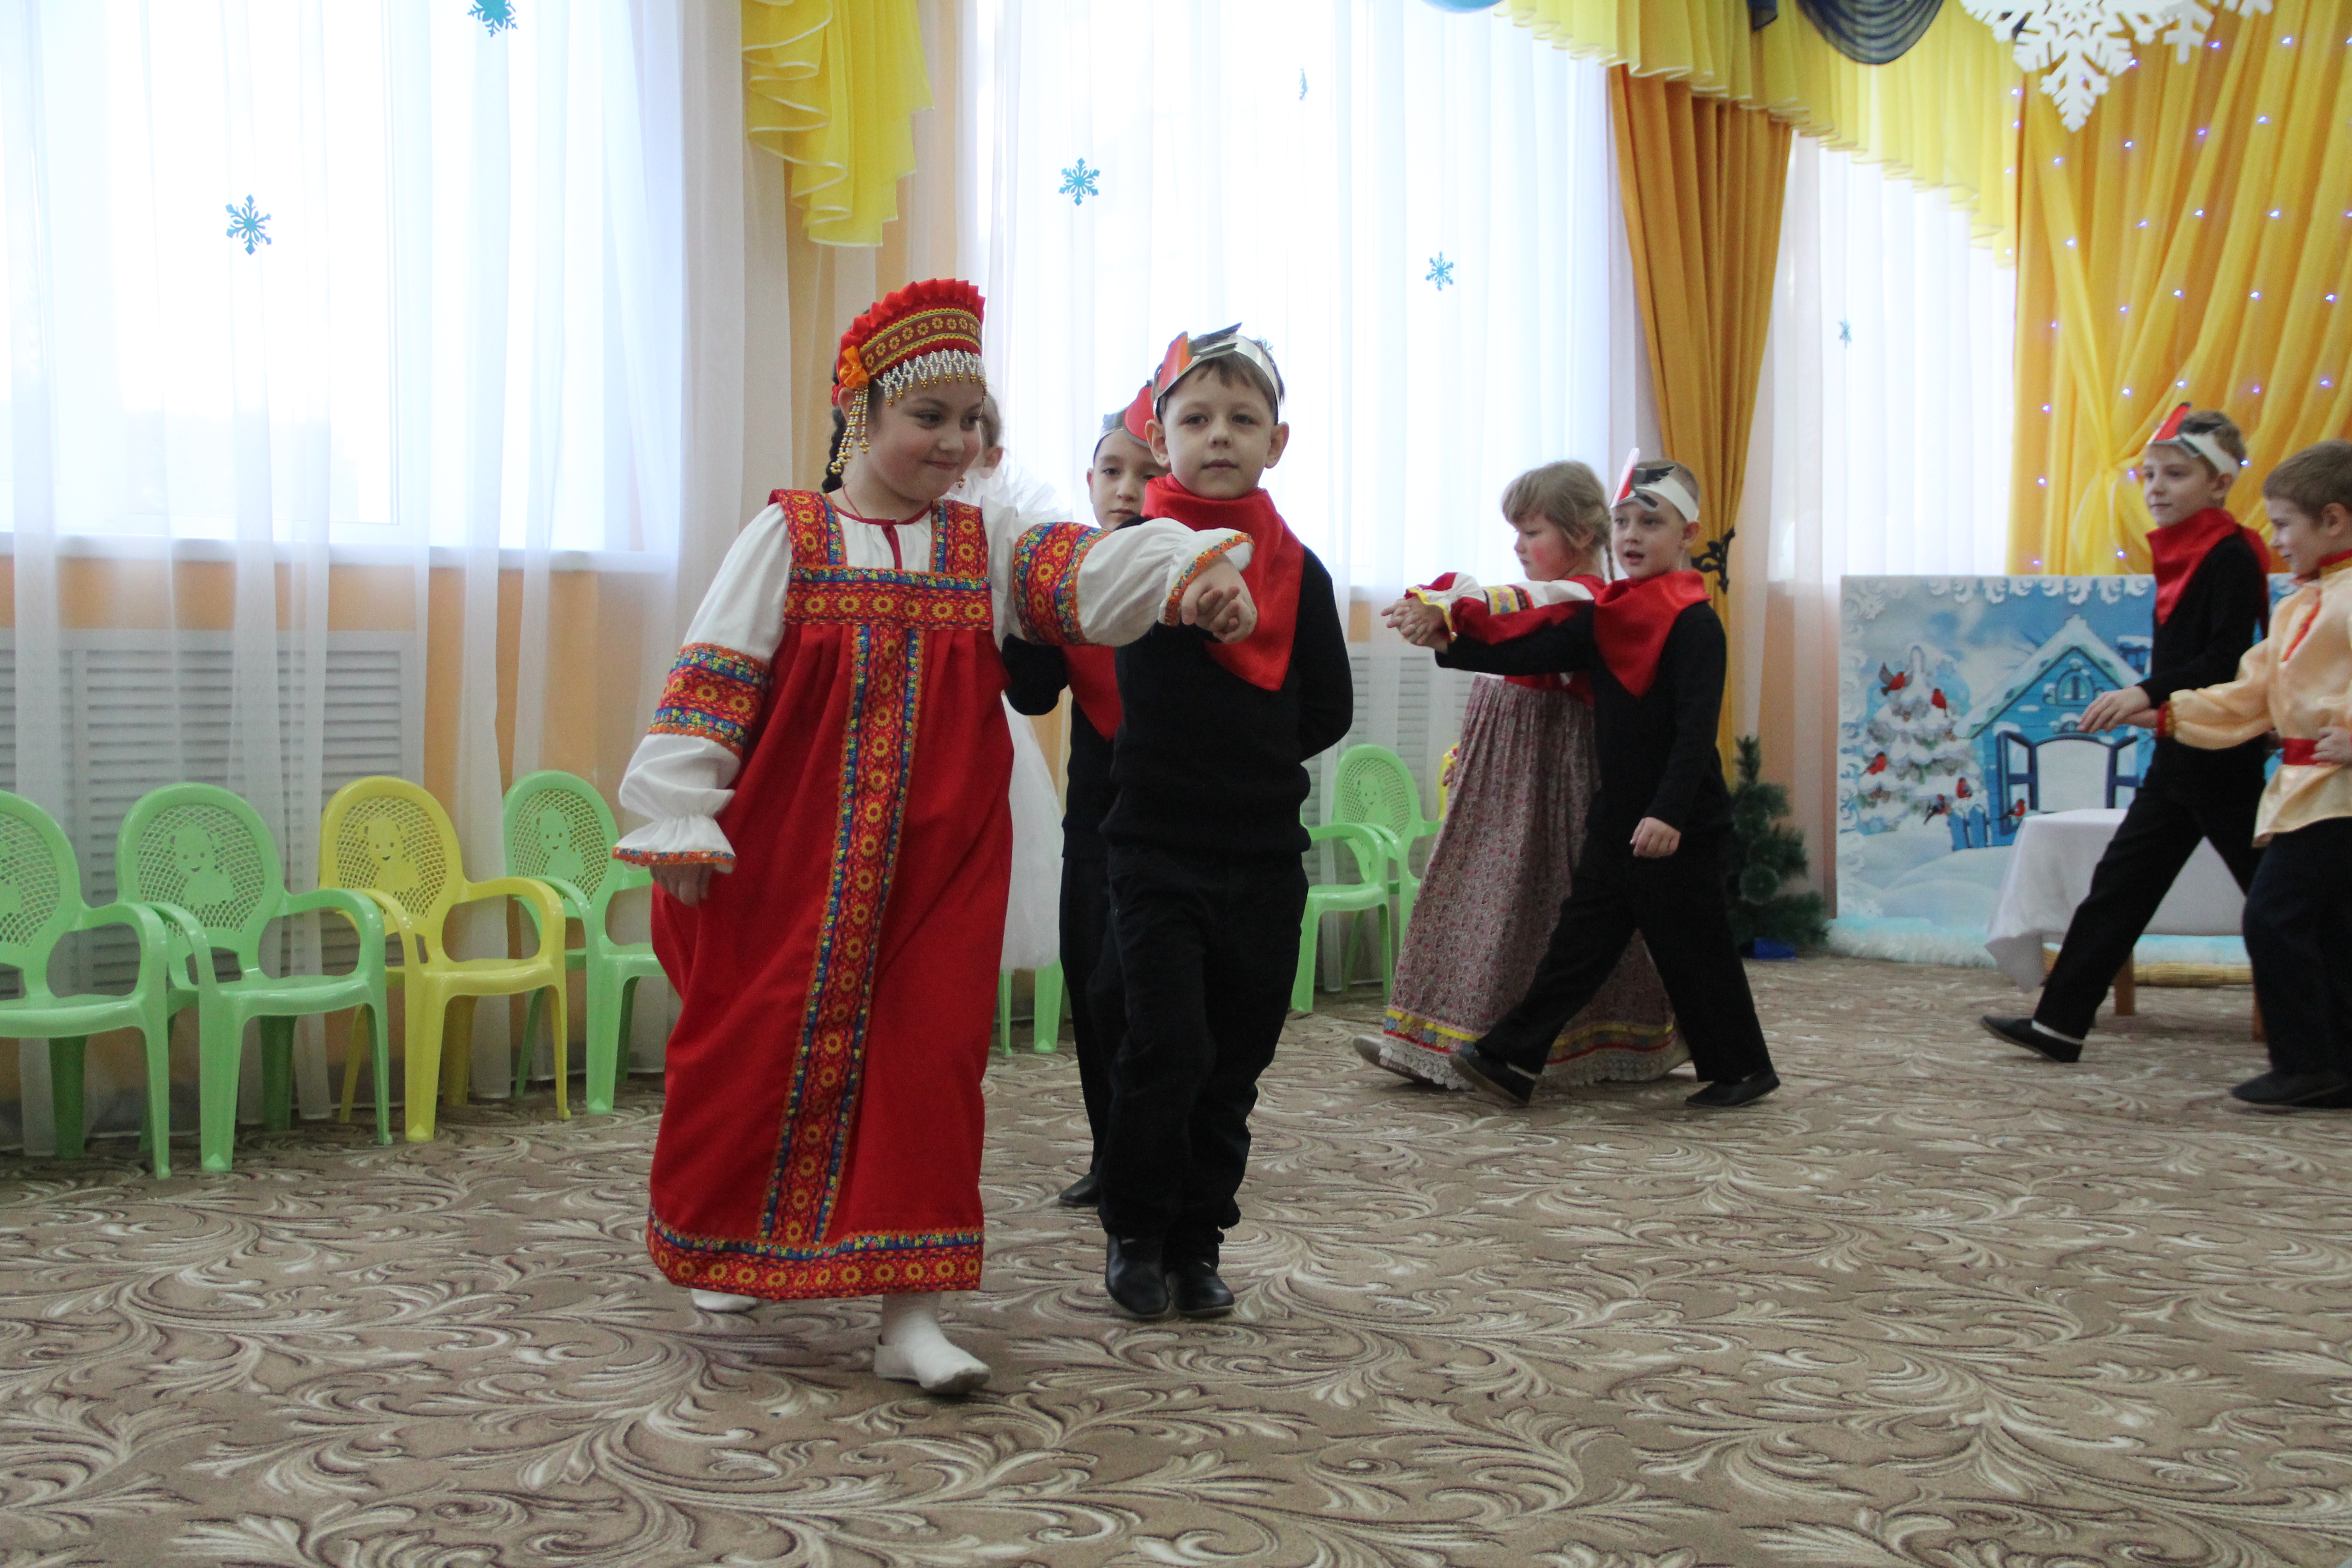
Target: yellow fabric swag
point(829, 86)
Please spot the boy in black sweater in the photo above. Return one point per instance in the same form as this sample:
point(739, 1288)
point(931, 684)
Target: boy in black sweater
point(1204, 838)
point(1653, 842)
point(1036, 673)
point(2212, 604)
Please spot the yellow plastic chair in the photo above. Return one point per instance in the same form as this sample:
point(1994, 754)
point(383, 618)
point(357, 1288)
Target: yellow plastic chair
point(560, 831)
point(389, 839)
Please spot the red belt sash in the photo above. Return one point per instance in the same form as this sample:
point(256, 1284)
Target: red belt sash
point(2298, 753)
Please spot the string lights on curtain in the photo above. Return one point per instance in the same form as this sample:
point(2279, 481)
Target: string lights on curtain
point(2082, 43)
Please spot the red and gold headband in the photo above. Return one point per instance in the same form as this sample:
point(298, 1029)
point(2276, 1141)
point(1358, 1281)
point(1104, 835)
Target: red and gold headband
point(2200, 442)
point(920, 335)
point(1225, 342)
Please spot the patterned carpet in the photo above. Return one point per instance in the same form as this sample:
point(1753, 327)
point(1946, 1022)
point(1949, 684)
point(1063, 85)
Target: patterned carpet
point(1934, 1304)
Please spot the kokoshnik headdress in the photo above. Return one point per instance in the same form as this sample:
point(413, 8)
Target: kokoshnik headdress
point(2200, 442)
point(1651, 483)
point(1225, 342)
point(918, 336)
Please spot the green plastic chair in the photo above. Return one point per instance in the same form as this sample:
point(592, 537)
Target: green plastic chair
point(1376, 788)
point(560, 831)
point(1369, 893)
point(200, 857)
point(40, 905)
point(1045, 1023)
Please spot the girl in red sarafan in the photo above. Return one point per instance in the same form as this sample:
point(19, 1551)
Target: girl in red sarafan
point(826, 784)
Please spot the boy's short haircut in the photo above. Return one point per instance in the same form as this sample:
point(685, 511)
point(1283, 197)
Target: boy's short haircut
point(991, 423)
point(1567, 495)
point(2216, 427)
point(1231, 370)
point(2315, 478)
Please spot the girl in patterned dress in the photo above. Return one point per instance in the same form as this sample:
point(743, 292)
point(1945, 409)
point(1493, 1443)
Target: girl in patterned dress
point(1523, 778)
point(826, 784)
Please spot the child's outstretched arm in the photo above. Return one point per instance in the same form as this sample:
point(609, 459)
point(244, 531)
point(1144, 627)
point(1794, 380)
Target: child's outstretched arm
point(2233, 713)
point(680, 777)
point(1543, 641)
point(1064, 583)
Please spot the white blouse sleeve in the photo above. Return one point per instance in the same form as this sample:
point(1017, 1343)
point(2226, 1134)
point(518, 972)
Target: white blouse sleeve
point(1455, 589)
point(680, 776)
point(1067, 583)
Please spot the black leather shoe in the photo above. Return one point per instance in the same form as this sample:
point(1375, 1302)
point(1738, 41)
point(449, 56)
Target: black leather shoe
point(2277, 1088)
point(1725, 1093)
point(1198, 1292)
point(1083, 1194)
point(1493, 1078)
point(2032, 1036)
point(1135, 1276)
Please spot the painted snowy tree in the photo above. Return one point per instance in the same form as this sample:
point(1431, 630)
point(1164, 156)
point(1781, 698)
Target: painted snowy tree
point(1919, 764)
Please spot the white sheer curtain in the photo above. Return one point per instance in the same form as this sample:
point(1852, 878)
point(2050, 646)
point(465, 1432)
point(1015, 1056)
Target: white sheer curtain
point(1882, 442)
point(302, 287)
point(1413, 207)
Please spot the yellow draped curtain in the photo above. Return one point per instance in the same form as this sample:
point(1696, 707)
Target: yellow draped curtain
point(1702, 180)
point(2189, 243)
point(1941, 116)
point(829, 85)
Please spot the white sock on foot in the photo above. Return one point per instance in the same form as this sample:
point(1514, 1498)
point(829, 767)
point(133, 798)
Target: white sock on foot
point(914, 1349)
point(721, 1301)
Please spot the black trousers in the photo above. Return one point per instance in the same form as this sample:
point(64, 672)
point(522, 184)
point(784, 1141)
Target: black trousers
point(2299, 935)
point(1677, 905)
point(2158, 833)
point(1090, 979)
point(1208, 946)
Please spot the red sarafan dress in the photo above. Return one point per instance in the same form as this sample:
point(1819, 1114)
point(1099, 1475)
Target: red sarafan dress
point(833, 733)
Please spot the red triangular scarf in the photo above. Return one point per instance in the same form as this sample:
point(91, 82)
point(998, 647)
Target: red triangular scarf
point(2181, 548)
point(1631, 618)
point(1277, 562)
point(1094, 681)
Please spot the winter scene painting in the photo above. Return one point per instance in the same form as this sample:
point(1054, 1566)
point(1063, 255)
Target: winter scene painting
point(1959, 702)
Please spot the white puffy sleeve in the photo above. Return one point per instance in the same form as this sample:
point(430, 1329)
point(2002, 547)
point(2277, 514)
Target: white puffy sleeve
point(680, 776)
point(1071, 584)
point(1455, 590)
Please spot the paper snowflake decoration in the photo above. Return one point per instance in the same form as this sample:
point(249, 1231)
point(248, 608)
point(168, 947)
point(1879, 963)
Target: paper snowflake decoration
point(1440, 271)
point(495, 15)
point(245, 223)
point(1079, 183)
point(2082, 43)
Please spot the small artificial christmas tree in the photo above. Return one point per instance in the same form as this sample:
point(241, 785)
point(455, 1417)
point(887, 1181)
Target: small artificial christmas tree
point(1764, 856)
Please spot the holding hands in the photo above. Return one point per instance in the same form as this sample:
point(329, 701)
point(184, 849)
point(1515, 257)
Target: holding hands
point(1219, 603)
point(2333, 747)
point(1424, 625)
point(2109, 709)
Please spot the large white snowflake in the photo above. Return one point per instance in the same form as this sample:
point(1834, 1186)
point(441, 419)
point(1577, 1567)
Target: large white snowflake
point(2082, 42)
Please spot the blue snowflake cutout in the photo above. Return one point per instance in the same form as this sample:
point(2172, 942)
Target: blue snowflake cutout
point(1079, 183)
point(1302, 83)
point(1846, 331)
point(1440, 271)
point(246, 224)
point(495, 15)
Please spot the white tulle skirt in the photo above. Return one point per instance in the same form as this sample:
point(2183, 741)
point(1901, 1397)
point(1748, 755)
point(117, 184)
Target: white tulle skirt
point(1032, 925)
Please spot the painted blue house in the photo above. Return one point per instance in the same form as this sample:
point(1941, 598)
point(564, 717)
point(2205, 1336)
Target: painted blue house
point(2027, 737)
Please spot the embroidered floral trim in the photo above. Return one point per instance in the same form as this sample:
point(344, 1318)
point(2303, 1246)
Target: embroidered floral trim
point(1603, 1034)
point(874, 1263)
point(1171, 613)
point(674, 858)
point(866, 595)
point(1045, 564)
point(714, 693)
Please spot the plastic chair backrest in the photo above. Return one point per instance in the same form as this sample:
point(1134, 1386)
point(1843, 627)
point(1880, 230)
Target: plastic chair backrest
point(1375, 786)
point(206, 850)
point(389, 837)
point(40, 891)
point(557, 827)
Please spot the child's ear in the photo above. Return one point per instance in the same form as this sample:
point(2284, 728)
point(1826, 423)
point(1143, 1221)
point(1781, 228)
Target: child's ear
point(2335, 517)
point(1155, 435)
point(1690, 536)
point(1273, 447)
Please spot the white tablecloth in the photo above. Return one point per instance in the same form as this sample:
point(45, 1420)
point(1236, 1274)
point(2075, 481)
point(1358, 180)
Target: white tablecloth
point(2051, 873)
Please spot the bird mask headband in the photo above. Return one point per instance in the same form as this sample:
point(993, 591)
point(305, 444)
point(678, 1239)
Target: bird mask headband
point(2201, 442)
point(1226, 342)
point(1651, 483)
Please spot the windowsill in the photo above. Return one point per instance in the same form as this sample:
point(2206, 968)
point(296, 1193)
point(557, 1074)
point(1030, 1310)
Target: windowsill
point(137, 547)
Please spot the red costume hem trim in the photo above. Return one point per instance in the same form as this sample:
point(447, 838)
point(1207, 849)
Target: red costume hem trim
point(673, 857)
point(880, 1263)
